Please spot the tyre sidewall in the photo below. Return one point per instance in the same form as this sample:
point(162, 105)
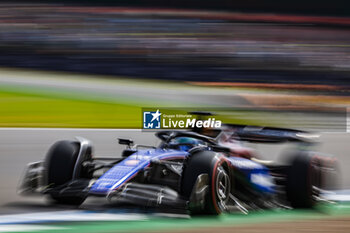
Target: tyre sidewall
point(60, 162)
point(203, 162)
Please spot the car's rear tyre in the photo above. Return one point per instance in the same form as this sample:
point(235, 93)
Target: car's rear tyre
point(213, 164)
point(60, 162)
point(304, 179)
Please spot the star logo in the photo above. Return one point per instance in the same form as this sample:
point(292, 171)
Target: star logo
point(151, 120)
point(156, 115)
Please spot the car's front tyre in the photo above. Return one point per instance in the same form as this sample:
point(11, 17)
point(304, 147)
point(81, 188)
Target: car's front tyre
point(59, 163)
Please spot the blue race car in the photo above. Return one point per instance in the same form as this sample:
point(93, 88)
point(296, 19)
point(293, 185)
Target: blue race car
point(205, 171)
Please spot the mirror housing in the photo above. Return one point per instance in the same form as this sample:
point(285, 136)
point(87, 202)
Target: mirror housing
point(124, 141)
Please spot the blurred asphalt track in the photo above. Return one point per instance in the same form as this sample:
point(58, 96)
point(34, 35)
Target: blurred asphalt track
point(21, 146)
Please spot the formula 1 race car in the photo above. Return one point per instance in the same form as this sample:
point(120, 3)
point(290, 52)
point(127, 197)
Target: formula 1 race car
point(208, 171)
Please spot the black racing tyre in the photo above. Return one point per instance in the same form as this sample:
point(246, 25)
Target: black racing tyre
point(59, 162)
point(215, 165)
point(303, 180)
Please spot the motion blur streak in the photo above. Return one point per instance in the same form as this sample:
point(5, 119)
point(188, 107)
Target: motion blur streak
point(175, 44)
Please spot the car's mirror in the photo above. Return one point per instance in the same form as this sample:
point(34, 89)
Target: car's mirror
point(123, 141)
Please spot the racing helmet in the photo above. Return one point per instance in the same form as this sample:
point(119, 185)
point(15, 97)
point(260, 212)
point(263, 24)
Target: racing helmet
point(185, 143)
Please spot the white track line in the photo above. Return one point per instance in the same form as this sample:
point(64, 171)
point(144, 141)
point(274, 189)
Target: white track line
point(70, 129)
point(68, 216)
point(28, 228)
point(337, 195)
point(112, 130)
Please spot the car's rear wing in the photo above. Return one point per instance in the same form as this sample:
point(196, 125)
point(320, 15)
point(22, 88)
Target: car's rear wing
point(259, 134)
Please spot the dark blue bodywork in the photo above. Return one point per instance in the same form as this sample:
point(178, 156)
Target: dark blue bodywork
point(122, 172)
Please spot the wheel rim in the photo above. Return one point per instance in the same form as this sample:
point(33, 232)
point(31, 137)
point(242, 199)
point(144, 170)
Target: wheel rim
point(223, 187)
